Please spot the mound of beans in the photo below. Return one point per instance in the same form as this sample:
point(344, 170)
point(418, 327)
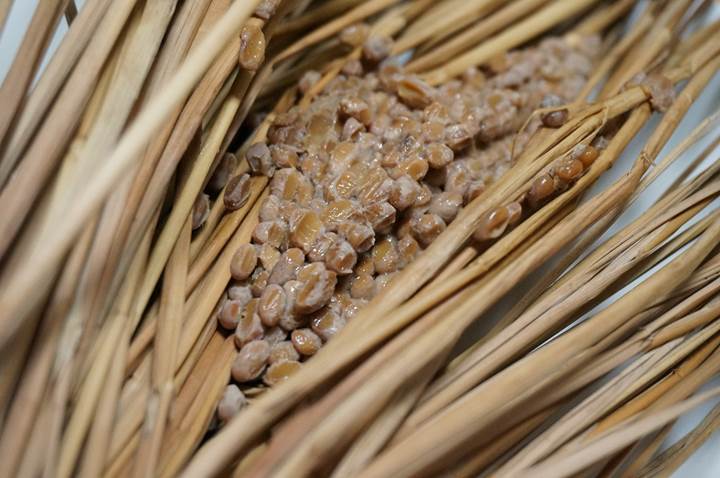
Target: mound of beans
point(369, 174)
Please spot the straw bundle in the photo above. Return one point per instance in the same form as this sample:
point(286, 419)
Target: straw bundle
point(274, 238)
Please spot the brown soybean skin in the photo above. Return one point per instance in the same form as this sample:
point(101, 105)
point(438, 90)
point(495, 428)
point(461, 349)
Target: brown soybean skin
point(427, 227)
point(201, 211)
point(341, 257)
point(280, 371)
point(541, 188)
point(588, 155)
point(355, 34)
point(308, 80)
point(570, 170)
point(376, 48)
point(222, 173)
point(352, 67)
point(327, 323)
point(243, 262)
point(363, 287)
point(305, 230)
point(555, 119)
point(237, 192)
point(283, 352)
point(272, 305)
point(407, 248)
point(306, 341)
point(275, 335)
point(231, 312)
point(493, 224)
point(385, 256)
point(360, 236)
point(233, 400)
point(287, 266)
point(414, 92)
point(439, 155)
point(259, 282)
point(514, 210)
point(268, 256)
point(252, 45)
point(271, 232)
point(251, 361)
point(249, 327)
point(260, 160)
point(266, 9)
point(317, 286)
point(446, 205)
point(239, 291)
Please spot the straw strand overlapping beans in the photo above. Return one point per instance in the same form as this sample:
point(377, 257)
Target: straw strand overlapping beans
point(370, 173)
point(546, 185)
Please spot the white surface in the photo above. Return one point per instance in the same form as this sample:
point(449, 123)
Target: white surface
point(706, 462)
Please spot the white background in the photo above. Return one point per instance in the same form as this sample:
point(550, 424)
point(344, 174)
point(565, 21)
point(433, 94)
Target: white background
point(706, 462)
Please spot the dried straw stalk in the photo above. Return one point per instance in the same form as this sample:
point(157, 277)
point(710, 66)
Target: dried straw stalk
point(116, 360)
